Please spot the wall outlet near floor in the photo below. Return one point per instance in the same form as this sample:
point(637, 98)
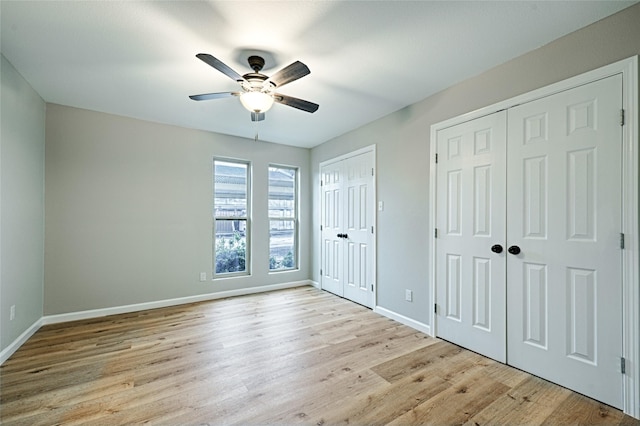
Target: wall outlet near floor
point(203, 276)
point(12, 313)
point(408, 295)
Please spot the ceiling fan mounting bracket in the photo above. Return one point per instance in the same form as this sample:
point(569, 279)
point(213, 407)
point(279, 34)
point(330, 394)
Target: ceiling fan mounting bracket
point(256, 63)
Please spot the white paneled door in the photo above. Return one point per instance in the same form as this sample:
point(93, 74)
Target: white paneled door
point(564, 201)
point(543, 182)
point(470, 258)
point(347, 228)
point(332, 251)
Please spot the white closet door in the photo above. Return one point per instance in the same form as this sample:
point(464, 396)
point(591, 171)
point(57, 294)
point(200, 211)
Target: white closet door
point(470, 277)
point(564, 214)
point(348, 202)
point(332, 254)
point(358, 231)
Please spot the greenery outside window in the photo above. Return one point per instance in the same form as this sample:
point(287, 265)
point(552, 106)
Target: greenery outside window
point(283, 218)
point(231, 212)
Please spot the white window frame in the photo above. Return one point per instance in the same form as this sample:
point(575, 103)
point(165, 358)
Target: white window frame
point(294, 219)
point(246, 218)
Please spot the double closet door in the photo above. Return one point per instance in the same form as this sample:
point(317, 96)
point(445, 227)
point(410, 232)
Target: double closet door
point(347, 253)
point(528, 252)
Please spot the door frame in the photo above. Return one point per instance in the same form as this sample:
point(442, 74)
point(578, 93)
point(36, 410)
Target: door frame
point(366, 149)
point(628, 68)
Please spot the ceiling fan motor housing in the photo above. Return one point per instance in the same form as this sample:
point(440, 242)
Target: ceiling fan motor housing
point(256, 96)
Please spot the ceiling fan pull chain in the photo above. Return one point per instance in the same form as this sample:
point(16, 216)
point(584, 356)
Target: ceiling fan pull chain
point(256, 137)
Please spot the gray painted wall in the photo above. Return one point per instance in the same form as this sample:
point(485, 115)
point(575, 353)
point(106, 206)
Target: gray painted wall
point(129, 210)
point(129, 202)
point(22, 113)
point(402, 141)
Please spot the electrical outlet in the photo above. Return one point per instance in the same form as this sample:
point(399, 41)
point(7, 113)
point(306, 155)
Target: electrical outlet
point(12, 312)
point(203, 276)
point(408, 295)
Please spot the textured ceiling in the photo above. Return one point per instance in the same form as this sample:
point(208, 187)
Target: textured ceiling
point(367, 59)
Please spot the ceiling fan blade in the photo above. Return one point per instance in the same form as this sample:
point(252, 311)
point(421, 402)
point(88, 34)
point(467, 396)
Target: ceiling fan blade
point(257, 116)
point(207, 96)
point(296, 103)
point(220, 66)
point(289, 73)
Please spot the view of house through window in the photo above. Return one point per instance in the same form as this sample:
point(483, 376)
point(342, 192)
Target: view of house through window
point(231, 217)
point(283, 218)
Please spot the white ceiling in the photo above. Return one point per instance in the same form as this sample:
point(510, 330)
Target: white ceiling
point(367, 58)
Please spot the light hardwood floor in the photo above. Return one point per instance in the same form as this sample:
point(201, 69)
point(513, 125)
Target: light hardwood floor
point(298, 356)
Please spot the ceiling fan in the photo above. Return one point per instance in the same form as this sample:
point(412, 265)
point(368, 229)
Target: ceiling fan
point(257, 91)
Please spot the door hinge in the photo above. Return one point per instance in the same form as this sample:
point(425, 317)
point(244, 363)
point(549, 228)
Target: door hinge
point(435, 234)
point(372, 172)
point(321, 227)
point(320, 272)
point(621, 240)
point(436, 158)
point(622, 117)
point(435, 308)
point(371, 287)
point(321, 182)
point(623, 366)
point(372, 229)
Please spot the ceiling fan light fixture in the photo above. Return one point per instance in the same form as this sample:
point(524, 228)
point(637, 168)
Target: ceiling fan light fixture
point(256, 101)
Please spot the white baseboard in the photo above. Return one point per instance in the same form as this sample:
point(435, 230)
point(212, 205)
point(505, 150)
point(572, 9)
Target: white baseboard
point(315, 284)
point(15, 345)
point(96, 313)
point(404, 320)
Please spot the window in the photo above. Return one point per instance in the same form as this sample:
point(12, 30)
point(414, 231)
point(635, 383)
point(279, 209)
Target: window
point(231, 212)
point(283, 218)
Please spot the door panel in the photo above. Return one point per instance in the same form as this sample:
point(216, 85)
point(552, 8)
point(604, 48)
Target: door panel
point(332, 263)
point(534, 306)
point(454, 287)
point(534, 191)
point(470, 278)
point(482, 293)
point(359, 213)
point(564, 203)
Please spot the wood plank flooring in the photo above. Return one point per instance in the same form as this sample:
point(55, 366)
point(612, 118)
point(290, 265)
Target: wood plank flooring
point(298, 356)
